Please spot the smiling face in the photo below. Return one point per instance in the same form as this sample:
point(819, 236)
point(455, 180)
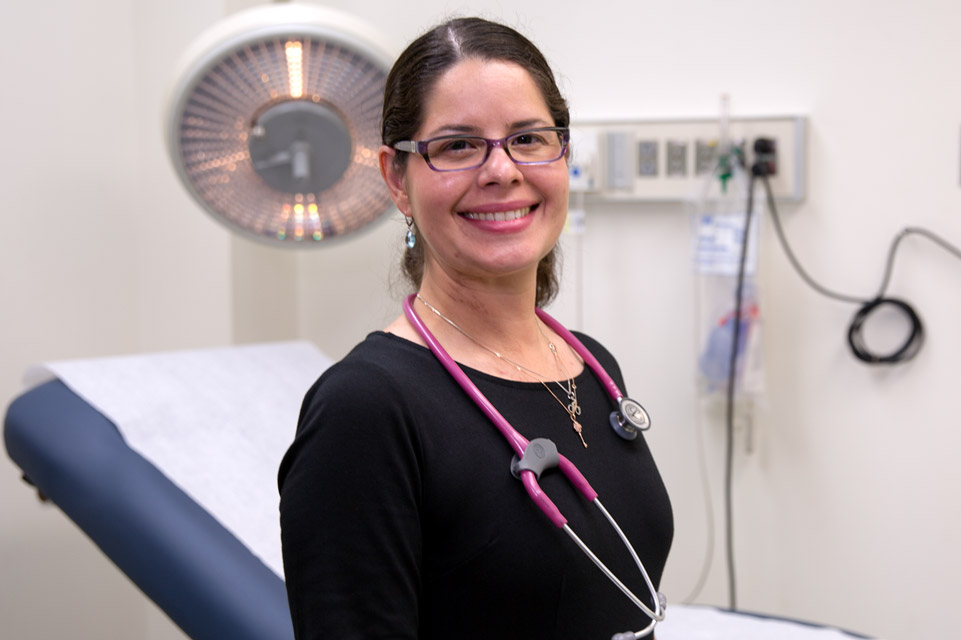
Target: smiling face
point(493, 223)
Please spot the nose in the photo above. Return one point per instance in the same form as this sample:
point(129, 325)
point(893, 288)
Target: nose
point(499, 167)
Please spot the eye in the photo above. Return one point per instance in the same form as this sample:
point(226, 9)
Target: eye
point(455, 146)
point(530, 139)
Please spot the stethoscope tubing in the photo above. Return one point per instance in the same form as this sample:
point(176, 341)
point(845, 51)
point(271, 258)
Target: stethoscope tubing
point(520, 444)
point(606, 381)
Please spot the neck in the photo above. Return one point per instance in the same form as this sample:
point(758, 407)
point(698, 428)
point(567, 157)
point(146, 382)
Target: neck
point(500, 318)
point(495, 331)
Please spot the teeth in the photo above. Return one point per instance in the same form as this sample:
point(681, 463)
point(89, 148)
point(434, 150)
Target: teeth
point(500, 216)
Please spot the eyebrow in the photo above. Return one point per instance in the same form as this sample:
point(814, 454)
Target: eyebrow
point(463, 129)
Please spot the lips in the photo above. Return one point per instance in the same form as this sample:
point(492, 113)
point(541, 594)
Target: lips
point(498, 216)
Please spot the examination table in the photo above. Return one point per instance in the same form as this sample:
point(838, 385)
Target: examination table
point(168, 463)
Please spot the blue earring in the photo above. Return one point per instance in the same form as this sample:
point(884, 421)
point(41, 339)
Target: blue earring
point(411, 239)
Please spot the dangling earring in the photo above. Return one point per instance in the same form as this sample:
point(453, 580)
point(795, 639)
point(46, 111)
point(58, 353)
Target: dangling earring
point(411, 239)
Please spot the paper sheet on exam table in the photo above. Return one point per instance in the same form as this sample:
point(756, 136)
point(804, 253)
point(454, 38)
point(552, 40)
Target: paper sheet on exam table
point(215, 421)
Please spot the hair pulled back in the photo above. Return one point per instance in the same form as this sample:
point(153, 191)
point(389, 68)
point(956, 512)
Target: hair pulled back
point(414, 75)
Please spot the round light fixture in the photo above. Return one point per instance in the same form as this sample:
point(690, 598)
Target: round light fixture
point(273, 124)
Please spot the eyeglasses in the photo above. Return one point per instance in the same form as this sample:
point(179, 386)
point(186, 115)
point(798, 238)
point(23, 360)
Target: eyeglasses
point(461, 153)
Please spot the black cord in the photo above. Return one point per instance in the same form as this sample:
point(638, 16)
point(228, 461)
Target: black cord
point(912, 344)
point(906, 351)
point(729, 418)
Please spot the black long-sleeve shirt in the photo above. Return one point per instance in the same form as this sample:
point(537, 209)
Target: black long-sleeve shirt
point(400, 517)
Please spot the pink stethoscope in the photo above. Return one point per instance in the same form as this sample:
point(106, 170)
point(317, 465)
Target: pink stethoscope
point(535, 456)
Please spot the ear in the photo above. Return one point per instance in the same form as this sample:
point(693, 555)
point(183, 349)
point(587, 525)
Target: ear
point(394, 179)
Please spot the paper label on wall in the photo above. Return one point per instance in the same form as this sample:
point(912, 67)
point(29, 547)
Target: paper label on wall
point(719, 241)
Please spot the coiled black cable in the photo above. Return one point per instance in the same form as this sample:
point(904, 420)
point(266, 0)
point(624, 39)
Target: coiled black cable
point(906, 351)
point(912, 344)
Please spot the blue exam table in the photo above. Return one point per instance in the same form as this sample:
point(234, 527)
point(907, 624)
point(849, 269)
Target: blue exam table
point(200, 574)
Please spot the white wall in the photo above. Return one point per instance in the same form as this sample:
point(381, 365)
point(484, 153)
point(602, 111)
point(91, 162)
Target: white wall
point(101, 253)
point(849, 503)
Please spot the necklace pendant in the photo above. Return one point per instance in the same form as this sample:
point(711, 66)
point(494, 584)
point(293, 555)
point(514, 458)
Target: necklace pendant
point(579, 430)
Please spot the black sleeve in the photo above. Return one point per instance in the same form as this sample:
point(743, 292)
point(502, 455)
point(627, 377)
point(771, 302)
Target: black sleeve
point(349, 510)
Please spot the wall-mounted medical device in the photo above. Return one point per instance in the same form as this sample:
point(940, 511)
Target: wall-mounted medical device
point(668, 160)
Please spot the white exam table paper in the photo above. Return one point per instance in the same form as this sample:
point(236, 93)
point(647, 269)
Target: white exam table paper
point(215, 421)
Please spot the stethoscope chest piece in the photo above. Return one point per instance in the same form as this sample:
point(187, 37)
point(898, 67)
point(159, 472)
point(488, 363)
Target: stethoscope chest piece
point(629, 418)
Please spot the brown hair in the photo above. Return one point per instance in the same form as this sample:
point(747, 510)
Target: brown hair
point(417, 70)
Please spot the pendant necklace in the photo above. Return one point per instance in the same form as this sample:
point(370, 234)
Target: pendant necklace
point(572, 408)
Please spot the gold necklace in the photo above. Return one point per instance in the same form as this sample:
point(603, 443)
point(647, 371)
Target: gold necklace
point(573, 409)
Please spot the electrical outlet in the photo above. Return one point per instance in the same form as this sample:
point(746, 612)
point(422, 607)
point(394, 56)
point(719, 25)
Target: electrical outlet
point(676, 151)
point(647, 153)
point(625, 157)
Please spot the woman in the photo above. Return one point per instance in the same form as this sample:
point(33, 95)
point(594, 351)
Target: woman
point(399, 513)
